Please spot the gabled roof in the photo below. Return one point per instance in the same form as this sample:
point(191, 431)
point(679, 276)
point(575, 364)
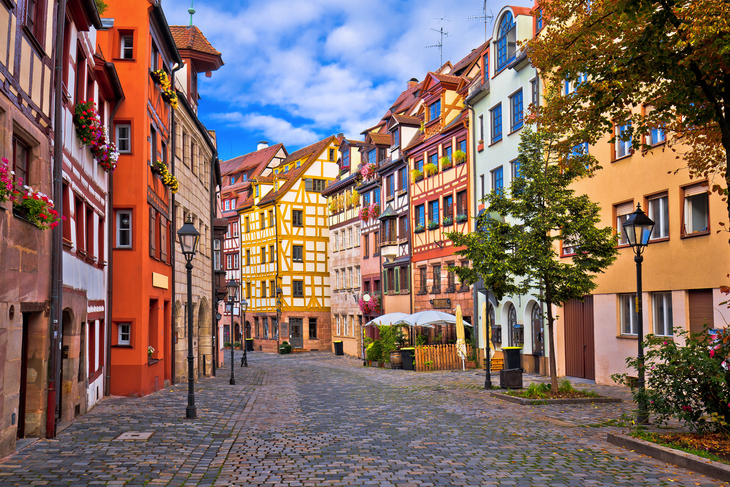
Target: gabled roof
point(464, 65)
point(258, 159)
point(309, 154)
point(380, 138)
point(407, 120)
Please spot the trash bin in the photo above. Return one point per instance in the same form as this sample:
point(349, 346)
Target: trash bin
point(249, 344)
point(338, 348)
point(512, 358)
point(408, 358)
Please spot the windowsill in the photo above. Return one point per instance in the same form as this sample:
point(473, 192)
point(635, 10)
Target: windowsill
point(568, 255)
point(695, 234)
point(659, 240)
point(623, 246)
point(505, 67)
point(495, 141)
point(422, 293)
point(514, 130)
point(123, 248)
point(67, 243)
point(151, 361)
point(627, 337)
point(122, 346)
point(623, 157)
point(34, 42)
point(401, 192)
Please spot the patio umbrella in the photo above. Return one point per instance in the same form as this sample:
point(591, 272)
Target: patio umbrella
point(460, 342)
point(396, 318)
point(432, 317)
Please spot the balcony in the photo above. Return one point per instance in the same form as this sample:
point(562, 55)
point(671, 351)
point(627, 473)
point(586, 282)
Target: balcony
point(389, 250)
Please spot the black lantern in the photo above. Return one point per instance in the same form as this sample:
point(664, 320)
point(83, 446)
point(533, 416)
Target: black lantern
point(189, 238)
point(638, 228)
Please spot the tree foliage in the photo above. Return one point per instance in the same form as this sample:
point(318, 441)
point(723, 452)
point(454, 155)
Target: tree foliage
point(658, 64)
point(519, 254)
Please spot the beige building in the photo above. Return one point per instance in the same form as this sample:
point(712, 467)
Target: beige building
point(196, 168)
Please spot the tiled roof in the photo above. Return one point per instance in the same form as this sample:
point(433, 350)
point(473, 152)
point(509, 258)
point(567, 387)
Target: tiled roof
point(407, 120)
point(469, 59)
point(310, 154)
point(378, 138)
point(446, 78)
point(250, 160)
point(190, 37)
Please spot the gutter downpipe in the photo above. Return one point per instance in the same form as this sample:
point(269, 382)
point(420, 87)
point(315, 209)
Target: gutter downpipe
point(213, 214)
point(174, 230)
point(54, 378)
point(110, 267)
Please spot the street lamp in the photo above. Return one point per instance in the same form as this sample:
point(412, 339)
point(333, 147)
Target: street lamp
point(638, 228)
point(232, 289)
point(244, 307)
point(216, 338)
point(189, 237)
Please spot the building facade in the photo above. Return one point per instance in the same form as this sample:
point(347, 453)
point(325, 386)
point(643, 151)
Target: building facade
point(142, 47)
point(284, 229)
point(499, 99)
point(195, 165)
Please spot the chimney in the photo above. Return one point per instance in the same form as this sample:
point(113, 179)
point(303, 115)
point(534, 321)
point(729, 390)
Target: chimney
point(263, 144)
point(412, 82)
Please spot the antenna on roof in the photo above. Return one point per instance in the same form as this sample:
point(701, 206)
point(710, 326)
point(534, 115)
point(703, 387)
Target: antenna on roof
point(191, 11)
point(485, 17)
point(440, 45)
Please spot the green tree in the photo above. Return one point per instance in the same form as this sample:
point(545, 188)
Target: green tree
point(541, 211)
point(668, 56)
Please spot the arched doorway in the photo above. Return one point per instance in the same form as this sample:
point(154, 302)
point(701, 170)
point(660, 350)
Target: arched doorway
point(538, 337)
point(248, 329)
point(237, 328)
point(512, 325)
point(67, 370)
point(495, 329)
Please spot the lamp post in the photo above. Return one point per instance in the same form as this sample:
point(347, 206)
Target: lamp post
point(638, 228)
point(218, 317)
point(278, 316)
point(366, 298)
point(189, 237)
point(244, 307)
point(232, 289)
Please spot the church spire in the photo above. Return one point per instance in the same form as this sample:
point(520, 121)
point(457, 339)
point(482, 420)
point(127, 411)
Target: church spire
point(191, 11)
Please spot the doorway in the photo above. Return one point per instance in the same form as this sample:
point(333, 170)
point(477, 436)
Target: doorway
point(295, 328)
point(23, 378)
point(579, 346)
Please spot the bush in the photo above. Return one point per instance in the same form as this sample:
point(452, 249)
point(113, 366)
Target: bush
point(226, 344)
point(391, 338)
point(285, 347)
point(236, 344)
point(687, 382)
point(374, 351)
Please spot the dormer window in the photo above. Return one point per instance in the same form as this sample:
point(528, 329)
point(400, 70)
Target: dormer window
point(346, 158)
point(257, 191)
point(371, 156)
point(506, 41)
point(396, 137)
point(434, 110)
point(245, 177)
point(233, 179)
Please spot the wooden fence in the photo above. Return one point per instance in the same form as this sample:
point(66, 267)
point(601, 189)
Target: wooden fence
point(445, 357)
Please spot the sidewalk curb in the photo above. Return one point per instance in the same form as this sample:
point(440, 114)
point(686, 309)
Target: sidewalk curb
point(679, 458)
point(529, 402)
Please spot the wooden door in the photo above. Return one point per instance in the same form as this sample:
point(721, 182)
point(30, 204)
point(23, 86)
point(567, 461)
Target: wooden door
point(23, 378)
point(579, 346)
point(538, 336)
point(295, 329)
point(700, 310)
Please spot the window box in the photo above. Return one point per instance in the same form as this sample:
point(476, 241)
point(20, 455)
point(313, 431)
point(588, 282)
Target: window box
point(417, 175)
point(433, 225)
point(430, 169)
point(448, 221)
point(460, 156)
point(445, 163)
point(461, 218)
point(450, 290)
point(419, 229)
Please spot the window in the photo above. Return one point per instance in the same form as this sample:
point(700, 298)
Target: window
point(265, 324)
point(434, 158)
point(396, 137)
point(248, 290)
point(272, 253)
point(262, 220)
point(498, 180)
point(154, 58)
point(124, 333)
point(297, 218)
point(419, 165)
point(376, 196)
point(345, 158)
point(372, 156)
point(696, 209)
point(331, 154)
point(248, 226)
point(298, 289)
point(272, 287)
point(312, 328)
point(350, 242)
point(389, 228)
point(339, 329)
point(450, 278)
point(126, 46)
point(538, 20)
point(79, 217)
point(461, 203)
point(33, 18)
point(271, 218)
point(436, 288)
point(658, 211)
point(535, 89)
point(448, 152)
point(481, 127)
point(433, 211)
point(298, 253)
point(21, 156)
point(402, 179)
point(420, 216)
point(622, 214)
point(337, 279)
point(505, 41)
point(124, 137)
point(124, 229)
point(422, 275)
point(315, 185)
point(233, 203)
point(496, 114)
point(627, 302)
point(235, 261)
point(434, 110)
point(516, 106)
point(623, 140)
point(248, 257)
point(376, 243)
point(515, 169)
point(656, 136)
point(482, 184)
point(263, 255)
point(448, 207)
point(366, 246)
point(461, 145)
point(227, 204)
point(263, 289)
point(153, 144)
point(235, 229)
point(571, 86)
point(229, 261)
point(357, 277)
point(402, 227)
point(390, 186)
point(661, 305)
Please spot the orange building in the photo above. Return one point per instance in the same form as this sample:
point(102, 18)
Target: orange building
point(143, 50)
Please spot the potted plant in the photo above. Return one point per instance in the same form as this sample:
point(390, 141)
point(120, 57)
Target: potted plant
point(459, 157)
point(445, 163)
point(448, 221)
point(419, 228)
point(461, 218)
point(374, 210)
point(163, 80)
point(365, 213)
point(150, 350)
point(416, 175)
point(430, 169)
point(168, 179)
point(285, 347)
point(433, 225)
point(237, 345)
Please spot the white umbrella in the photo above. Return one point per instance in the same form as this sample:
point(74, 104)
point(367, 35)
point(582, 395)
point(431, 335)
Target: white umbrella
point(460, 341)
point(432, 317)
point(396, 318)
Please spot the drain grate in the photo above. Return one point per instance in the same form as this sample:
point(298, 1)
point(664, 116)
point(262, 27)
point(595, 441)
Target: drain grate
point(135, 436)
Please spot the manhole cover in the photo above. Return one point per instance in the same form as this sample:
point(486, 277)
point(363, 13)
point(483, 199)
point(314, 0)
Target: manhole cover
point(135, 436)
point(219, 437)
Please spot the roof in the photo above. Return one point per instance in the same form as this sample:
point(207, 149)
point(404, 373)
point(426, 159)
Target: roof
point(190, 39)
point(310, 154)
point(407, 120)
point(469, 59)
point(251, 160)
point(382, 139)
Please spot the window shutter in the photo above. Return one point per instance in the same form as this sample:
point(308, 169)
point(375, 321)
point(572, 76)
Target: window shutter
point(152, 232)
point(308, 184)
point(397, 279)
point(385, 280)
point(625, 208)
point(163, 240)
point(695, 189)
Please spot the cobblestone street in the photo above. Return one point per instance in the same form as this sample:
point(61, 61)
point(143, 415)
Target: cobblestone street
point(316, 419)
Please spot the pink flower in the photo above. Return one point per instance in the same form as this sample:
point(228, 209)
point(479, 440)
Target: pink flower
point(712, 353)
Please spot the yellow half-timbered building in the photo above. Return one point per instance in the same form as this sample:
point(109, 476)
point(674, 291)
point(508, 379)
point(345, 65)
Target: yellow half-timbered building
point(284, 250)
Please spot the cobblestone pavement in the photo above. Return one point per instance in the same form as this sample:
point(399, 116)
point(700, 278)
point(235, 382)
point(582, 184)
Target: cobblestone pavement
point(316, 419)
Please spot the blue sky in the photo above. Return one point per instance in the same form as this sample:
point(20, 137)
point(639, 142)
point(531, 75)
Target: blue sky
point(297, 71)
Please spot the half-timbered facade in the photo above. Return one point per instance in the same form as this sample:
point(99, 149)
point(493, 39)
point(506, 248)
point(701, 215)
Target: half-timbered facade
point(284, 228)
point(440, 159)
point(344, 249)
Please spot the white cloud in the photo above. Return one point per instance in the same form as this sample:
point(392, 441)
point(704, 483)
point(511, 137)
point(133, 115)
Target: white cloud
point(336, 64)
point(275, 129)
